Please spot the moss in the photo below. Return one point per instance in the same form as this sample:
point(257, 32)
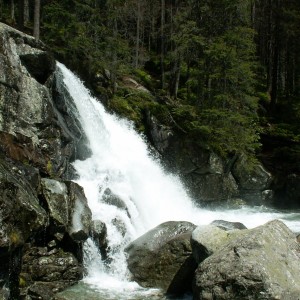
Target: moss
point(22, 282)
point(15, 238)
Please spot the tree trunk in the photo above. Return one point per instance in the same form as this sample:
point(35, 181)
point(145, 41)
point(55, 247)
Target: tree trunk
point(137, 42)
point(26, 12)
point(36, 25)
point(12, 11)
point(21, 14)
point(1, 8)
point(162, 44)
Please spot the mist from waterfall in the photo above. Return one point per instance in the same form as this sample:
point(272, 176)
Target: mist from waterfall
point(121, 162)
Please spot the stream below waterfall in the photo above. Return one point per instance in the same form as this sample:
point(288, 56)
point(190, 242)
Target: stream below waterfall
point(121, 162)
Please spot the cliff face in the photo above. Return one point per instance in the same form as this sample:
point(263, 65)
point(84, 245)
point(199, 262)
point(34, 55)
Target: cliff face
point(39, 138)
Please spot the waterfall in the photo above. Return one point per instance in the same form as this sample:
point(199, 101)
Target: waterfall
point(121, 163)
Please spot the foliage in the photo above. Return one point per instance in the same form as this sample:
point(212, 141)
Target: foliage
point(211, 66)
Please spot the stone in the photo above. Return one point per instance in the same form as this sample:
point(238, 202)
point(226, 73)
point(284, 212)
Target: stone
point(99, 236)
point(68, 208)
point(207, 239)
point(79, 228)
point(112, 199)
point(44, 266)
point(21, 216)
point(162, 257)
point(32, 128)
point(252, 179)
point(226, 225)
point(261, 263)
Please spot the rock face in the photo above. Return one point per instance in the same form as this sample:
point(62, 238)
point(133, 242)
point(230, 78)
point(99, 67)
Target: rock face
point(21, 217)
point(204, 173)
point(44, 218)
point(262, 263)
point(253, 181)
point(53, 269)
point(162, 258)
point(32, 128)
point(210, 178)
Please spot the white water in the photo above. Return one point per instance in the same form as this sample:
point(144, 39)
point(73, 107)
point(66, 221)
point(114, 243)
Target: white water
point(120, 161)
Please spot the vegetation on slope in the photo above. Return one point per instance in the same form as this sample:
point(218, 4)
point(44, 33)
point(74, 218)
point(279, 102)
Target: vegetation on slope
point(225, 73)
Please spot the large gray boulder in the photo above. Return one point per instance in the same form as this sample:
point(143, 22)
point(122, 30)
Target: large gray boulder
point(208, 239)
point(261, 263)
point(162, 258)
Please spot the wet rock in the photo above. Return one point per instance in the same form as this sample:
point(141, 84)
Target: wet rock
point(112, 199)
point(120, 226)
point(40, 291)
point(68, 208)
point(261, 263)
point(21, 216)
point(226, 225)
point(162, 258)
point(99, 236)
point(159, 134)
point(80, 225)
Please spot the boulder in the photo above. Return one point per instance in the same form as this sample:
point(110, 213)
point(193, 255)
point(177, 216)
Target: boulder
point(99, 236)
point(207, 239)
point(162, 258)
point(261, 263)
point(112, 199)
point(79, 227)
point(68, 208)
point(226, 225)
point(253, 180)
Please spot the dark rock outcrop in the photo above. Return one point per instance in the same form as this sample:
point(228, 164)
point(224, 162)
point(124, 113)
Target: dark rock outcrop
point(40, 136)
point(253, 181)
point(261, 263)
point(162, 258)
point(48, 270)
point(21, 218)
point(209, 178)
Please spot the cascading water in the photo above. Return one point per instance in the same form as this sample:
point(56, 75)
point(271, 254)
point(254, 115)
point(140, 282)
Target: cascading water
point(120, 162)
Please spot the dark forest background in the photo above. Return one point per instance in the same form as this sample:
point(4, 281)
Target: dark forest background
point(225, 73)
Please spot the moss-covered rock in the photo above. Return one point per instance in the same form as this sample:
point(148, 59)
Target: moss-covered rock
point(261, 263)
